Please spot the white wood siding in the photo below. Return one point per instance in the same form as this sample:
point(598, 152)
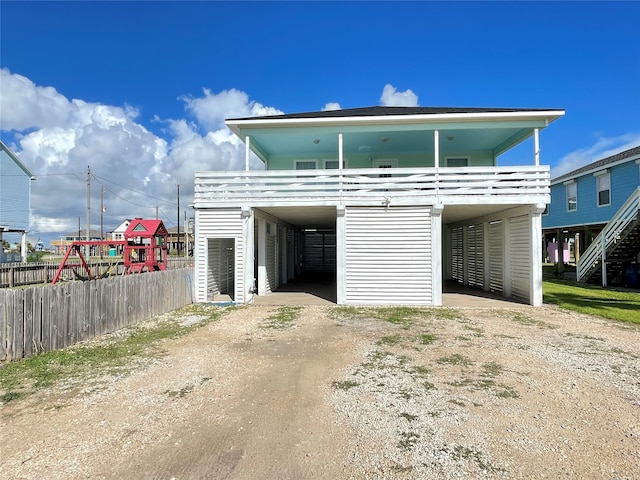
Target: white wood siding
point(474, 239)
point(388, 255)
point(457, 254)
point(496, 254)
point(271, 258)
point(519, 253)
point(217, 224)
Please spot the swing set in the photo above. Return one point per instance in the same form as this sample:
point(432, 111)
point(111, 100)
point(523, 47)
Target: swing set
point(144, 249)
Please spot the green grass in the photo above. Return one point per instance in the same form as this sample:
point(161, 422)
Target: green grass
point(604, 302)
point(81, 363)
point(283, 318)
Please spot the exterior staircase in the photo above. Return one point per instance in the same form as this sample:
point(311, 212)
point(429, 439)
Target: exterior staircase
point(619, 241)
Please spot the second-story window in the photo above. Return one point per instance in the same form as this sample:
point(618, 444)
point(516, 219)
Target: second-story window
point(603, 183)
point(572, 196)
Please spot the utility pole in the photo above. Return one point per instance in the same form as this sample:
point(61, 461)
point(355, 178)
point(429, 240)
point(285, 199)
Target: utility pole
point(101, 219)
point(88, 247)
point(178, 232)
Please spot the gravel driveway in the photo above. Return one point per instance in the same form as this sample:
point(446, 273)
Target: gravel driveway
point(339, 393)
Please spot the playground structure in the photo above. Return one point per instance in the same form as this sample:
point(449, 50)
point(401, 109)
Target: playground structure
point(144, 249)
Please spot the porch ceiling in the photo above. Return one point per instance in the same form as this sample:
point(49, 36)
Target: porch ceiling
point(461, 131)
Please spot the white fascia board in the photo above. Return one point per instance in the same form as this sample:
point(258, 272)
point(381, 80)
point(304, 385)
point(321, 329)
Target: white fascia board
point(548, 115)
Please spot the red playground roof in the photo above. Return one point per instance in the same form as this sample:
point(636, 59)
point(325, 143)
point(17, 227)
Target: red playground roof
point(145, 228)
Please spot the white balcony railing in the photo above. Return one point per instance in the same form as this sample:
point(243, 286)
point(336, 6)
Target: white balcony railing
point(528, 184)
point(591, 259)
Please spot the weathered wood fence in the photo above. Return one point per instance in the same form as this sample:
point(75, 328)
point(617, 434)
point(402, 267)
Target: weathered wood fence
point(41, 319)
point(37, 273)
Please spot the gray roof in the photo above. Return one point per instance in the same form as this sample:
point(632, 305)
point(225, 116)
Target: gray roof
point(600, 163)
point(387, 111)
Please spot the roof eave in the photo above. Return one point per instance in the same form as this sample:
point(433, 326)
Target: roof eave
point(236, 125)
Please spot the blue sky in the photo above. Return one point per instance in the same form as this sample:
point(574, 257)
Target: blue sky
point(139, 90)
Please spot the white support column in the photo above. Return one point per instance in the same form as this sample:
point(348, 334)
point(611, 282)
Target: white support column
point(436, 159)
point(436, 254)
point(246, 290)
point(340, 152)
point(535, 224)
point(341, 239)
point(23, 250)
point(536, 146)
point(436, 148)
point(262, 256)
point(604, 259)
point(247, 152)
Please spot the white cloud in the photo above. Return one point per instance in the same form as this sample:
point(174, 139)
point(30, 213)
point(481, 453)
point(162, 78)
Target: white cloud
point(331, 106)
point(392, 98)
point(604, 147)
point(213, 108)
point(25, 105)
point(58, 138)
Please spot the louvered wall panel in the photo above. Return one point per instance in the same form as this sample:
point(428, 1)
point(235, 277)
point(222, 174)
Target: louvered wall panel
point(519, 252)
point(496, 255)
point(457, 254)
point(271, 258)
point(319, 252)
point(218, 224)
point(388, 255)
point(475, 255)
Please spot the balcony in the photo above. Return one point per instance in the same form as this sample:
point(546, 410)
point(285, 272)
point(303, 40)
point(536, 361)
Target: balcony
point(399, 186)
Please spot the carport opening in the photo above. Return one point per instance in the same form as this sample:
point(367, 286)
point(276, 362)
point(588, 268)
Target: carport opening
point(297, 257)
point(220, 269)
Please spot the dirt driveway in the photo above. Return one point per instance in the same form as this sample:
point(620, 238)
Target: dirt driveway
point(342, 393)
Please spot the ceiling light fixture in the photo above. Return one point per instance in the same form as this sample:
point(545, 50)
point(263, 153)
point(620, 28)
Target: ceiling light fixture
point(450, 138)
point(384, 139)
point(316, 141)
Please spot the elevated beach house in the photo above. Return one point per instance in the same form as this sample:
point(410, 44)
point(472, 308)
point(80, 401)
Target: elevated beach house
point(384, 204)
point(15, 198)
point(594, 215)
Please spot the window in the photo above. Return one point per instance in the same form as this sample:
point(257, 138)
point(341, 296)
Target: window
point(305, 164)
point(457, 161)
point(572, 196)
point(603, 184)
point(334, 164)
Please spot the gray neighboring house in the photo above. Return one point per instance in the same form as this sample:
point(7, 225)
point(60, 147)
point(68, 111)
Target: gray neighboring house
point(15, 197)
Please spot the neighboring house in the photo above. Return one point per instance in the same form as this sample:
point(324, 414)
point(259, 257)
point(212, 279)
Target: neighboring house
point(59, 247)
point(179, 242)
point(15, 197)
point(118, 232)
point(603, 195)
point(385, 203)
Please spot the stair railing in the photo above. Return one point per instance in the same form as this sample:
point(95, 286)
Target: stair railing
point(593, 255)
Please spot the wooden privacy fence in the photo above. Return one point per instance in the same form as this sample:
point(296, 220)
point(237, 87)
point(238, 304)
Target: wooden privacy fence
point(34, 273)
point(42, 319)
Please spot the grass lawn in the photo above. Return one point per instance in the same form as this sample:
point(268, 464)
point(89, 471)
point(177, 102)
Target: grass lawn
point(607, 303)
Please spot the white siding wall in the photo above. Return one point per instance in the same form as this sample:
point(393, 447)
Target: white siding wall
point(496, 254)
point(519, 254)
point(457, 254)
point(271, 258)
point(15, 187)
point(218, 224)
point(388, 255)
point(474, 240)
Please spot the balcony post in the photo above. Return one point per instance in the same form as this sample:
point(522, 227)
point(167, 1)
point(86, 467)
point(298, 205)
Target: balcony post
point(536, 146)
point(436, 159)
point(340, 163)
point(247, 151)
